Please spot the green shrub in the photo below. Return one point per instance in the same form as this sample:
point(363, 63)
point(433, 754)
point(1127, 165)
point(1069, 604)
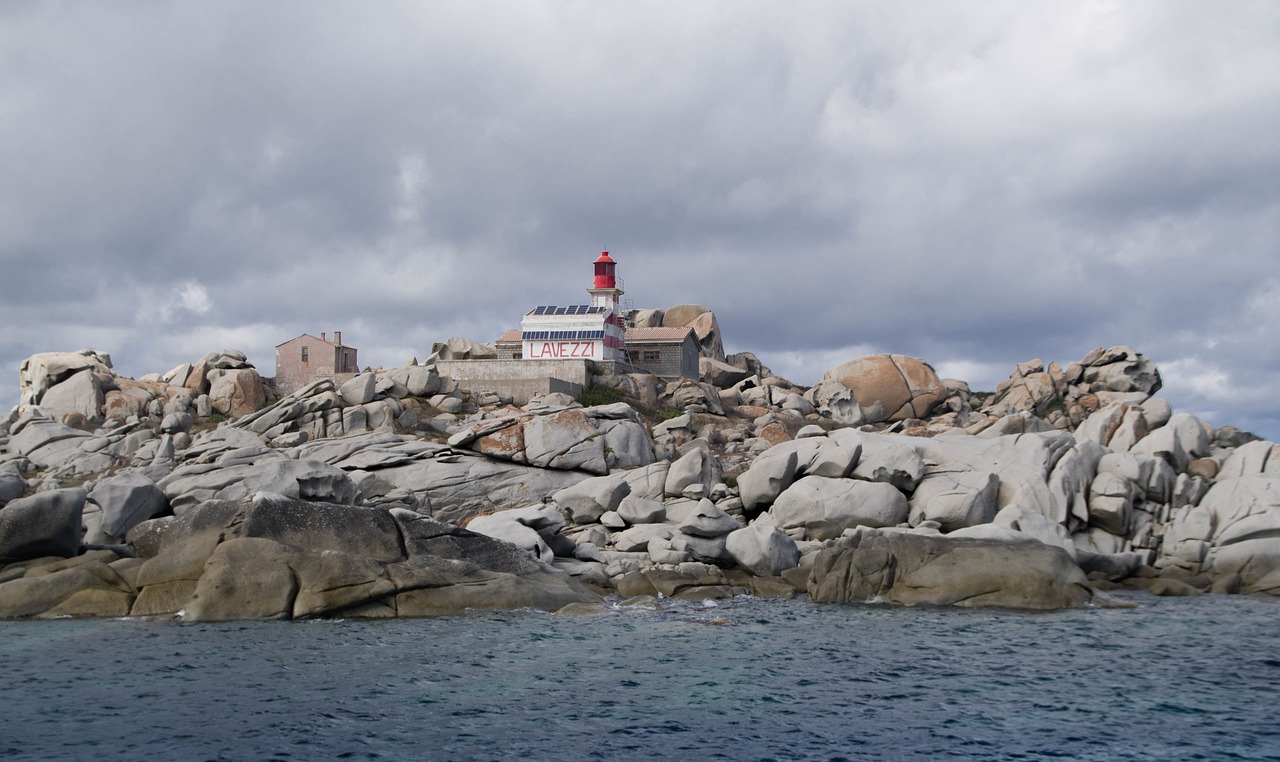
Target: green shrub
point(667, 413)
point(600, 395)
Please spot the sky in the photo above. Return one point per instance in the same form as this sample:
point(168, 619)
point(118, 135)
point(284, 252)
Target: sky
point(975, 184)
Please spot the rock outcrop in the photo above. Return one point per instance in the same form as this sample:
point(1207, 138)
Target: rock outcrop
point(271, 557)
point(881, 388)
point(195, 491)
point(911, 570)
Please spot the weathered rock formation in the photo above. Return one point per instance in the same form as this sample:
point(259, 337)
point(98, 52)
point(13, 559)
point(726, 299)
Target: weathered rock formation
point(272, 557)
point(912, 570)
point(879, 388)
point(190, 492)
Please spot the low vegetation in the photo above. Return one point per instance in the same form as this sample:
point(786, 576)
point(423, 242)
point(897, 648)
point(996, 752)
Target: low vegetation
point(600, 395)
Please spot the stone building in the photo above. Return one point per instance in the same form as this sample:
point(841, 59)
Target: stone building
point(669, 352)
point(307, 358)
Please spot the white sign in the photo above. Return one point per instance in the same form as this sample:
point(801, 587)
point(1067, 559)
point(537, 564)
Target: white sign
point(540, 350)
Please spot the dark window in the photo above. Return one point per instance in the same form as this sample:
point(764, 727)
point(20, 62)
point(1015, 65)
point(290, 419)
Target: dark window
point(651, 355)
point(305, 358)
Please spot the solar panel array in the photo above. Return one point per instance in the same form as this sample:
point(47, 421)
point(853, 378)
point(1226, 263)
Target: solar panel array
point(560, 335)
point(577, 309)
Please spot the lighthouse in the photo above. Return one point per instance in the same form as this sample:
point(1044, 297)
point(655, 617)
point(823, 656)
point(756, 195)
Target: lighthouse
point(607, 287)
point(580, 332)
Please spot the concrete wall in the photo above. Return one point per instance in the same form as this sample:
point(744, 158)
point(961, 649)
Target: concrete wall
point(520, 379)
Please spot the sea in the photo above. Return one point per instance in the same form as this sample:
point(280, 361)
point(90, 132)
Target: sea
point(741, 679)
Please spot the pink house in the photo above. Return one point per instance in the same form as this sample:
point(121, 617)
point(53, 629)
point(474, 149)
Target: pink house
point(307, 358)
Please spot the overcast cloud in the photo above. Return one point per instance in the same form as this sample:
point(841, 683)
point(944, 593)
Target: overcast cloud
point(975, 184)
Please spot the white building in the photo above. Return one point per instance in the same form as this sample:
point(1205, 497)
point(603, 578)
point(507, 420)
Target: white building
point(580, 332)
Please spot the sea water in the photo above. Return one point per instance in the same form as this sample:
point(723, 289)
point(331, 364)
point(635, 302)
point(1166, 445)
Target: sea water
point(744, 679)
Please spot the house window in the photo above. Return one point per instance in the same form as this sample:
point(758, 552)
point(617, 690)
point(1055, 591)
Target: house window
point(651, 355)
point(305, 358)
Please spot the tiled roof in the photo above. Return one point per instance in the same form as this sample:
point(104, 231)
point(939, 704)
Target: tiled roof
point(668, 333)
point(315, 338)
point(510, 337)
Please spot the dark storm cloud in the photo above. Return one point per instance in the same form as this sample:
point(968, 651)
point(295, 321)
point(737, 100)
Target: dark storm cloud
point(975, 185)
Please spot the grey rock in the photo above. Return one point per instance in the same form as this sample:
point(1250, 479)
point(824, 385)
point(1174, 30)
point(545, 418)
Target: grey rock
point(638, 510)
point(126, 500)
point(719, 374)
point(812, 430)
point(648, 482)
point(359, 390)
point(1120, 369)
point(12, 487)
point(459, 348)
point(637, 538)
point(174, 423)
point(1257, 458)
point(662, 551)
point(893, 463)
point(1233, 531)
point(44, 524)
point(190, 485)
point(1035, 524)
point(763, 550)
point(765, 480)
point(1157, 411)
point(236, 392)
point(911, 569)
point(709, 550)
point(459, 487)
point(1069, 483)
point(277, 558)
point(1111, 500)
point(46, 443)
point(956, 499)
point(79, 394)
point(40, 372)
point(1184, 437)
point(503, 527)
point(588, 499)
point(697, 466)
point(824, 507)
point(708, 521)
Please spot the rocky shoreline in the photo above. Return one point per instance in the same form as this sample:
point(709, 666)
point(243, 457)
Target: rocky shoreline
point(202, 494)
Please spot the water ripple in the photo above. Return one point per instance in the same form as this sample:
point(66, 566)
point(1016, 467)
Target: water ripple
point(743, 680)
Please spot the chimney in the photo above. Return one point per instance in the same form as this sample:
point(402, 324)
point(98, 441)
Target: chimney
point(337, 338)
point(322, 338)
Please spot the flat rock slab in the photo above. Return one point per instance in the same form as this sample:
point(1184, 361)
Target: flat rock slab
point(876, 566)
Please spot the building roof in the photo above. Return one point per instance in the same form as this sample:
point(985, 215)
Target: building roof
point(663, 334)
point(316, 338)
point(510, 337)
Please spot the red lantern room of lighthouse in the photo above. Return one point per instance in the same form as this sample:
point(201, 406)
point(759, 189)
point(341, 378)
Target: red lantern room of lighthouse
point(589, 332)
point(607, 286)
